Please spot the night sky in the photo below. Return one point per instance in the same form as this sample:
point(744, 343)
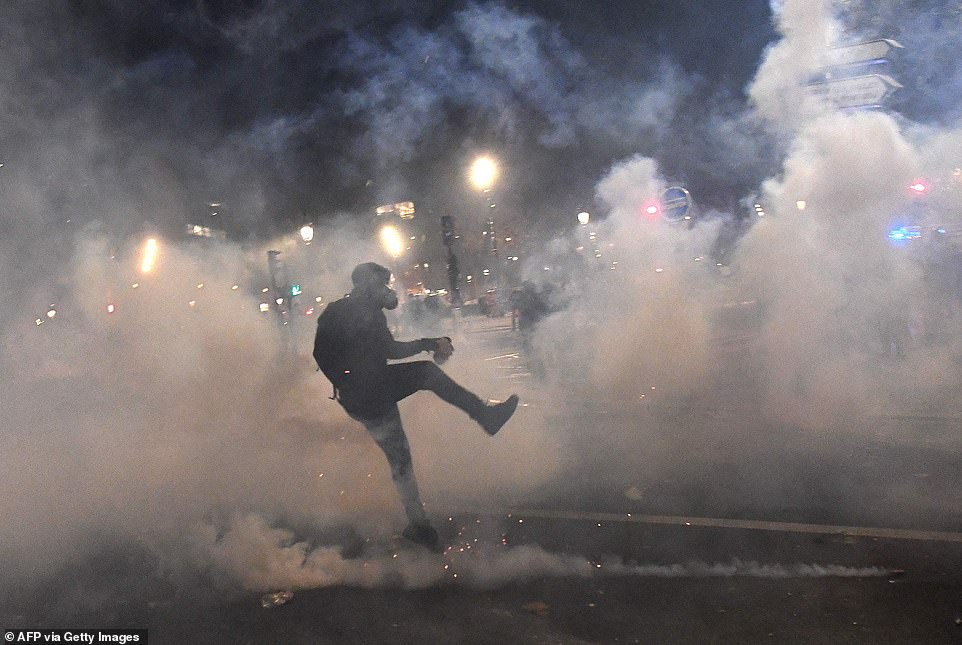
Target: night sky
point(283, 110)
point(123, 112)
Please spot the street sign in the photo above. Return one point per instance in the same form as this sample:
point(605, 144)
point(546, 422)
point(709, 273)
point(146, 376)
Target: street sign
point(858, 91)
point(862, 52)
point(676, 204)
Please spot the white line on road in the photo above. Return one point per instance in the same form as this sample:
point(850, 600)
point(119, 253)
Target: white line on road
point(757, 525)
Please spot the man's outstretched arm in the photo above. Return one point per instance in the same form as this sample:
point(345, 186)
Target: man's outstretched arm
point(403, 349)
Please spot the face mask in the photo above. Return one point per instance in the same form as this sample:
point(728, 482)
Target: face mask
point(389, 299)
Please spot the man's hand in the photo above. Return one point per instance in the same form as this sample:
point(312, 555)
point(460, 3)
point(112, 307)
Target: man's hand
point(443, 351)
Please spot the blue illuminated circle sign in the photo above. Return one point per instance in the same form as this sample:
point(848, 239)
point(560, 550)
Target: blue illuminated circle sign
point(676, 204)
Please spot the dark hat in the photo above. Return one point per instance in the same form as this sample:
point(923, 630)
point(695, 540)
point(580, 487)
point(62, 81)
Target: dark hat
point(370, 274)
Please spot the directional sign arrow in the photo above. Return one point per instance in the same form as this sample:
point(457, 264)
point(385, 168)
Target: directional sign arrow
point(858, 91)
point(862, 52)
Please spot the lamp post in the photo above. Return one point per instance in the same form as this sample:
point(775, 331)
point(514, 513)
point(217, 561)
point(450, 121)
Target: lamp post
point(483, 174)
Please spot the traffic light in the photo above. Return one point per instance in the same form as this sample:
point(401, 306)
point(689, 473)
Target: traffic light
point(295, 290)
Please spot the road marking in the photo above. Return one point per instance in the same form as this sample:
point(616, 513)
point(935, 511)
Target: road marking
point(757, 525)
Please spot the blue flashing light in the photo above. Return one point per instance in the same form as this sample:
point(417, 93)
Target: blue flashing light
point(905, 233)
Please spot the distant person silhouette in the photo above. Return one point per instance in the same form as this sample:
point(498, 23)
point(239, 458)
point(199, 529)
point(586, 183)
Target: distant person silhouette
point(352, 347)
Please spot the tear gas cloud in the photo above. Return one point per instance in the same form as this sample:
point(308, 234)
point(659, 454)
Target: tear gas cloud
point(194, 432)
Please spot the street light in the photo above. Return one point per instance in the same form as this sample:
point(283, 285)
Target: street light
point(483, 173)
point(583, 217)
point(150, 256)
point(307, 233)
point(392, 241)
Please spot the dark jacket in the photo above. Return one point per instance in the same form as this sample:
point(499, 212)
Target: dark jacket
point(352, 347)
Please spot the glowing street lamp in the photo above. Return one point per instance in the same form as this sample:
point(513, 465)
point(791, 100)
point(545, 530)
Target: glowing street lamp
point(307, 233)
point(483, 173)
point(149, 258)
point(392, 241)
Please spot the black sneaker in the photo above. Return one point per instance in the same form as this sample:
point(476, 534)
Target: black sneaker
point(423, 534)
point(497, 415)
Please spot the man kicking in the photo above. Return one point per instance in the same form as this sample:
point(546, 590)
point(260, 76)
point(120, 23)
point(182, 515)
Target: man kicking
point(352, 347)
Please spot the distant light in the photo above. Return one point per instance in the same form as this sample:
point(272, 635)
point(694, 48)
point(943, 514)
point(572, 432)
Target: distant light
point(652, 210)
point(507, 239)
point(279, 301)
point(583, 217)
point(235, 287)
point(200, 285)
point(265, 290)
point(110, 309)
point(191, 303)
point(51, 313)
point(38, 321)
point(427, 266)
point(391, 241)
point(801, 204)
point(150, 256)
point(318, 299)
point(918, 187)
point(135, 285)
point(264, 307)
point(309, 311)
point(307, 233)
point(405, 210)
point(659, 270)
point(905, 233)
point(486, 272)
point(483, 173)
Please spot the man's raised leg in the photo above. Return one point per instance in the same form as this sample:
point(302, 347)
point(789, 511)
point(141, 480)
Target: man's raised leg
point(407, 378)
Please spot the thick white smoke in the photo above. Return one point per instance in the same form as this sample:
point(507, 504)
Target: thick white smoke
point(852, 325)
point(193, 431)
point(260, 557)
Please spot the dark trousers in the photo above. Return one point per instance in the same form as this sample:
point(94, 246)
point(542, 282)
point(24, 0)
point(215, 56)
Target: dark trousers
point(382, 420)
